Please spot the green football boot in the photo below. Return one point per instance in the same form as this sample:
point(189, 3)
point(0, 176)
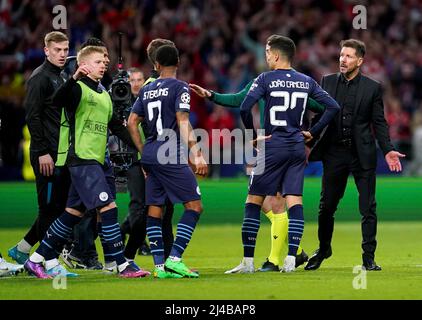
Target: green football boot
point(162, 274)
point(180, 268)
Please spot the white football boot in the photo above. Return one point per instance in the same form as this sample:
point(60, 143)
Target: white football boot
point(245, 266)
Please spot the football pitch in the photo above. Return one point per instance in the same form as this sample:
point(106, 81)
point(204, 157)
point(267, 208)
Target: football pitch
point(216, 247)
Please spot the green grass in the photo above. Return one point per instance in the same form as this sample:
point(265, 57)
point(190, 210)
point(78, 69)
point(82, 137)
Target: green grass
point(215, 248)
point(398, 198)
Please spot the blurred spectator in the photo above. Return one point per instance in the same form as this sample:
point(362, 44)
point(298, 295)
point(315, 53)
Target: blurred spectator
point(415, 167)
point(222, 122)
point(399, 125)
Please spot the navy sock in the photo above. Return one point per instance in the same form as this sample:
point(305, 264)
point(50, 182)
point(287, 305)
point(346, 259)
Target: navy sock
point(57, 235)
point(185, 228)
point(250, 228)
point(108, 258)
point(296, 226)
point(155, 237)
point(111, 233)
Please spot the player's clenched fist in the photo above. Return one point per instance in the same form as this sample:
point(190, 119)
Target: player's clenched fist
point(82, 71)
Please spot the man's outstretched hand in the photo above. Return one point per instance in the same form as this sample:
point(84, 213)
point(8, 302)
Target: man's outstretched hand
point(393, 160)
point(203, 93)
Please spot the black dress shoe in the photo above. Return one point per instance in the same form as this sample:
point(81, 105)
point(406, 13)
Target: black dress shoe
point(317, 258)
point(92, 263)
point(268, 266)
point(371, 266)
point(301, 258)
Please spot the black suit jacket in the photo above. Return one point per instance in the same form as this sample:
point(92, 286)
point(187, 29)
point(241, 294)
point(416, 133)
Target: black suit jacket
point(368, 122)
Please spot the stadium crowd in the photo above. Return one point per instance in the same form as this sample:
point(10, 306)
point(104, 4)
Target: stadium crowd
point(221, 48)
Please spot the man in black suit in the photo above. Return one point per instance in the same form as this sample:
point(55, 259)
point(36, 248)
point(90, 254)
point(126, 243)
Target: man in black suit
point(348, 146)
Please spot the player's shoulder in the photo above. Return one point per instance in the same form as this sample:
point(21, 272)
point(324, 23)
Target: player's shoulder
point(148, 86)
point(172, 83)
point(301, 76)
point(182, 85)
point(261, 78)
point(149, 81)
point(265, 74)
point(39, 74)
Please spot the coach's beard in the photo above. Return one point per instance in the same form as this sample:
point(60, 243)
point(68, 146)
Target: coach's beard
point(348, 74)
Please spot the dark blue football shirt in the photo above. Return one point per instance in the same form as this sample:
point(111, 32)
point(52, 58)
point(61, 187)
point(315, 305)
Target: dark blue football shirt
point(158, 103)
point(285, 92)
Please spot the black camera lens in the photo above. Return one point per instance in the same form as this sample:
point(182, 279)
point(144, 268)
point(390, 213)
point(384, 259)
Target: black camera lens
point(121, 91)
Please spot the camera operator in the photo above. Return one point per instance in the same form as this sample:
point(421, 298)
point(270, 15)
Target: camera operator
point(135, 221)
point(136, 80)
point(124, 90)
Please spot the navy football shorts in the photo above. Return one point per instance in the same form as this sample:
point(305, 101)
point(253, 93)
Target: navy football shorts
point(280, 171)
point(92, 187)
point(177, 182)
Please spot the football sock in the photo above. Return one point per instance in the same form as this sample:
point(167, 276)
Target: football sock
point(296, 226)
point(155, 237)
point(250, 227)
point(174, 258)
point(108, 258)
point(24, 246)
point(36, 257)
point(122, 266)
point(279, 228)
point(49, 264)
point(160, 267)
point(299, 249)
point(185, 228)
point(112, 236)
point(269, 215)
point(57, 235)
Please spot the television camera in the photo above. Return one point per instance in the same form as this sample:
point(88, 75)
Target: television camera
point(121, 156)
